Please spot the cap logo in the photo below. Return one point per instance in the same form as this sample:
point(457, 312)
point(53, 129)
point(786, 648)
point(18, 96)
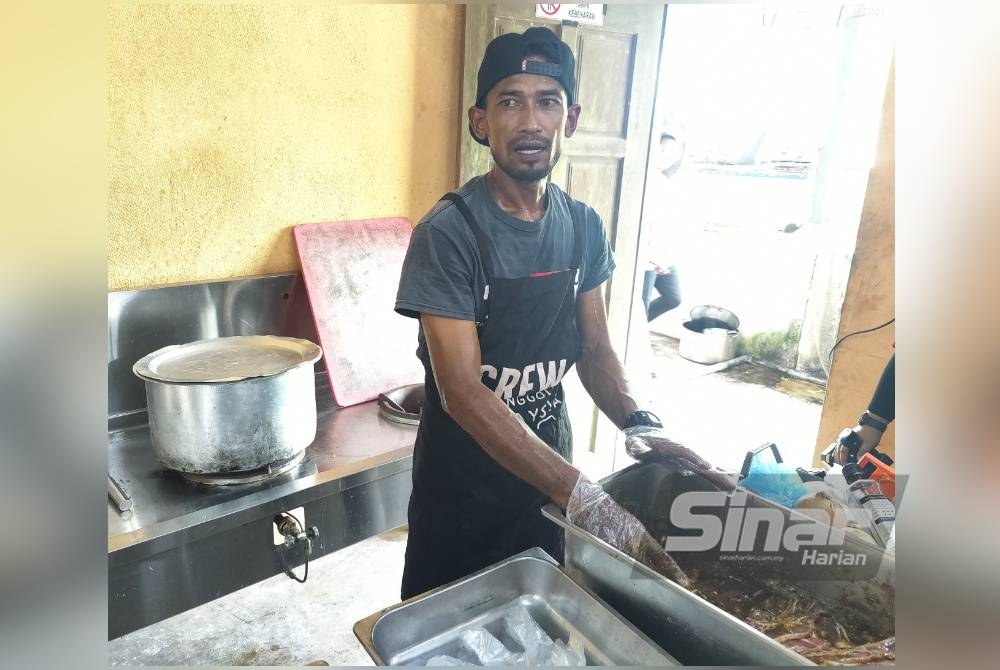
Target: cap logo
point(541, 67)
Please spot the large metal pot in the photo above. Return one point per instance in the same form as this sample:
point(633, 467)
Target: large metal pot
point(230, 404)
point(710, 336)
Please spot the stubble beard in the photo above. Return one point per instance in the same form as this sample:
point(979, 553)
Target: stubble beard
point(528, 174)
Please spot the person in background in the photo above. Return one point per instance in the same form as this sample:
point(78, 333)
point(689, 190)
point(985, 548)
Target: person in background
point(661, 274)
point(505, 276)
point(876, 419)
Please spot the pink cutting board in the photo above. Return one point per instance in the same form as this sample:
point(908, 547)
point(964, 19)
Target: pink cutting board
point(351, 272)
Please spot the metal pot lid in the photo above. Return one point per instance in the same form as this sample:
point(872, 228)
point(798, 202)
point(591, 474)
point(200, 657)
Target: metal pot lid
point(226, 359)
point(717, 313)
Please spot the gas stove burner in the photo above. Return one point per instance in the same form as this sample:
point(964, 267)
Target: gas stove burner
point(249, 476)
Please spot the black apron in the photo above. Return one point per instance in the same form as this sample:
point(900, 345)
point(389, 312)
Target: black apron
point(466, 510)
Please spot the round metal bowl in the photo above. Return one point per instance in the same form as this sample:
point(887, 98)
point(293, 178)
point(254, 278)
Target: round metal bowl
point(402, 404)
point(230, 404)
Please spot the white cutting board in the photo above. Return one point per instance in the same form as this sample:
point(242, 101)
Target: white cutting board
point(351, 271)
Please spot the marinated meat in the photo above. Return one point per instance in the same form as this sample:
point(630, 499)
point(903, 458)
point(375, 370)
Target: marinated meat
point(792, 617)
point(825, 634)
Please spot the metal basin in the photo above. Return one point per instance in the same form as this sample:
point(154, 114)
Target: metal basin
point(430, 624)
point(693, 630)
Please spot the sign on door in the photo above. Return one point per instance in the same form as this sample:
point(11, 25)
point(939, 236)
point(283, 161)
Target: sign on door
point(591, 14)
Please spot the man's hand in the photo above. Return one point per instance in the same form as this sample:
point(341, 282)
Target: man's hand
point(591, 508)
point(870, 437)
point(641, 440)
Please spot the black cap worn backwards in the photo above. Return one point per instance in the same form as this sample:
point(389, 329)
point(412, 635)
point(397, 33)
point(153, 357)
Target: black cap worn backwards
point(509, 54)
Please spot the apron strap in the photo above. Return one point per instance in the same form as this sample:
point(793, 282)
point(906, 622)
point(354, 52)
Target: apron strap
point(577, 253)
point(477, 231)
point(481, 243)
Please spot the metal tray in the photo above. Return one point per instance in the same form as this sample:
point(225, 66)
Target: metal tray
point(430, 624)
point(693, 630)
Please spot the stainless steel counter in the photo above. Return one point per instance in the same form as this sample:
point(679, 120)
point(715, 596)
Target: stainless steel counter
point(184, 544)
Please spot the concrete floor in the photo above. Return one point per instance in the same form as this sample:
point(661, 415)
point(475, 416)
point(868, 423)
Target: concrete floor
point(278, 621)
point(721, 414)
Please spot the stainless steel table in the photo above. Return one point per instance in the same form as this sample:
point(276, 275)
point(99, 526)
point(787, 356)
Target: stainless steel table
point(184, 544)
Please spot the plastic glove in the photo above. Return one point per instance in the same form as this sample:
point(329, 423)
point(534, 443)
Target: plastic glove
point(591, 508)
point(641, 440)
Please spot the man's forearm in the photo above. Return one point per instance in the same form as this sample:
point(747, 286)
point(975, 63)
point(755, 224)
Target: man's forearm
point(603, 376)
point(510, 442)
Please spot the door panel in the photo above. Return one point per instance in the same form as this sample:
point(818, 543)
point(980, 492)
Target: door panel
point(604, 87)
point(595, 181)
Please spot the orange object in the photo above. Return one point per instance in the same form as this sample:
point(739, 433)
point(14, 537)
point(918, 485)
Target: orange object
point(883, 474)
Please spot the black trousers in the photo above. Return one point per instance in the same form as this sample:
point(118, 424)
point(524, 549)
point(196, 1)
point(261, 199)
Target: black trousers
point(667, 286)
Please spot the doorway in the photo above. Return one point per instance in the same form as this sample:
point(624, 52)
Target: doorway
point(765, 127)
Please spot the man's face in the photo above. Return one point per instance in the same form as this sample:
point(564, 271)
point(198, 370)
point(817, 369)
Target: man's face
point(525, 118)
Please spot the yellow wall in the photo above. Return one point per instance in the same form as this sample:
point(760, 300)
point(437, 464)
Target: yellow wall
point(231, 124)
point(870, 297)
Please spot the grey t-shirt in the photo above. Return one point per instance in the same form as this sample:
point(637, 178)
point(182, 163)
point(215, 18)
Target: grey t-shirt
point(442, 273)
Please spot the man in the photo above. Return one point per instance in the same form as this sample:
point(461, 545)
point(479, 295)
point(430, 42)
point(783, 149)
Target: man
point(505, 278)
point(661, 273)
point(875, 420)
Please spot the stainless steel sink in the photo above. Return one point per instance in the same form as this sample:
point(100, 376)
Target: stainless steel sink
point(430, 624)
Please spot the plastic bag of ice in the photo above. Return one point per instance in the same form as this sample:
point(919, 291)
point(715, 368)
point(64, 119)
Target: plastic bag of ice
point(486, 649)
point(567, 656)
point(443, 660)
point(560, 655)
point(523, 629)
point(575, 645)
